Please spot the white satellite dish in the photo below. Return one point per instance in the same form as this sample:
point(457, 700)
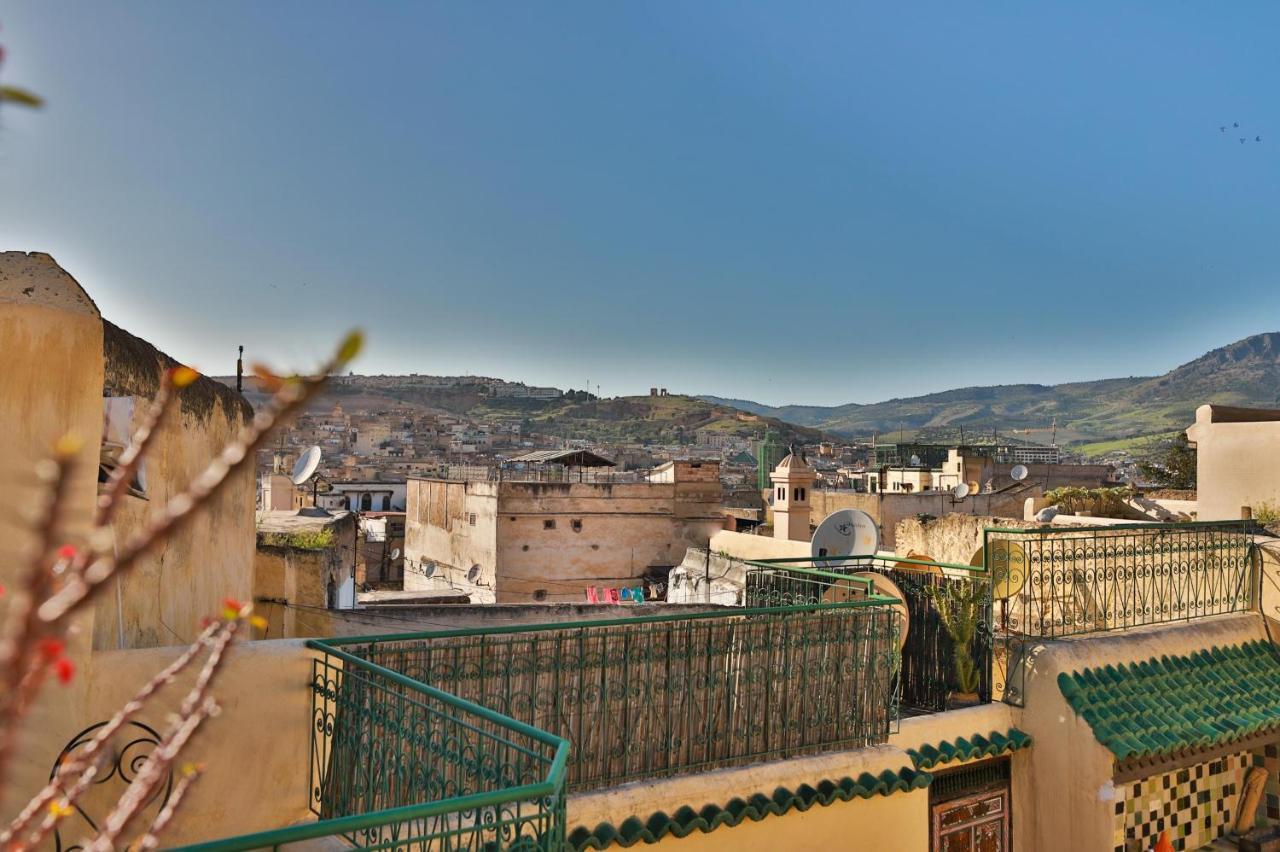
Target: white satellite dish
point(395, 554)
point(961, 491)
point(847, 532)
point(305, 467)
point(915, 461)
point(428, 569)
point(1019, 472)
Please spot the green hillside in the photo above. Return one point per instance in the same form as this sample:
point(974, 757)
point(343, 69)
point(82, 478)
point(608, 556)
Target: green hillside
point(1244, 373)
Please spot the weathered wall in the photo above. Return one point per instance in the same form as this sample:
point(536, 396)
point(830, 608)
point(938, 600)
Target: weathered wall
point(1237, 464)
point(50, 385)
point(291, 584)
point(953, 538)
point(549, 541)
point(438, 529)
point(169, 591)
point(889, 510)
point(604, 535)
point(255, 751)
point(896, 822)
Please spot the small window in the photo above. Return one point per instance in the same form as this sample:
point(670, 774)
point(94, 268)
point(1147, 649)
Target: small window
point(576, 523)
point(548, 525)
point(540, 595)
point(471, 519)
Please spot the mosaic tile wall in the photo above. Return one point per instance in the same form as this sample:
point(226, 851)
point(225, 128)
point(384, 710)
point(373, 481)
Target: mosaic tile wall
point(1268, 758)
point(1195, 805)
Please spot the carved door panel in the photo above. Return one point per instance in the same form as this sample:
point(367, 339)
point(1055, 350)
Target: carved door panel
point(977, 822)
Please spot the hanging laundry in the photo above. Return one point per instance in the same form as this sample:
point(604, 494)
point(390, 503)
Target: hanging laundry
point(592, 597)
point(637, 594)
point(626, 594)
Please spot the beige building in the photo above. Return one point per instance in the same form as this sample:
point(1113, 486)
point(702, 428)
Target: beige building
point(510, 541)
point(305, 564)
point(1237, 461)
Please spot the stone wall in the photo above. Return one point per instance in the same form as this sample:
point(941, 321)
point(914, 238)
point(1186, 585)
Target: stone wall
point(954, 538)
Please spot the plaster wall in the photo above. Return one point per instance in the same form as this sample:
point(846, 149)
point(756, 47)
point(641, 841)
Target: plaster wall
point(748, 546)
point(1237, 464)
point(255, 751)
point(167, 593)
point(1068, 795)
point(50, 386)
point(898, 822)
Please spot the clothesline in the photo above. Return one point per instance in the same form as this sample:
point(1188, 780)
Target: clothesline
point(615, 596)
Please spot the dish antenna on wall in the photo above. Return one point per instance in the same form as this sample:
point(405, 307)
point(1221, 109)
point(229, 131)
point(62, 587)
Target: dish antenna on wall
point(305, 467)
point(915, 461)
point(395, 554)
point(961, 491)
point(846, 532)
point(1019, 472)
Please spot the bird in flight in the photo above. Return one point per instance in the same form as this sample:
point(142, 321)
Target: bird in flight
point(1222, 129)
point(1242, 140)
point(1235, 124)
point(1257, 139)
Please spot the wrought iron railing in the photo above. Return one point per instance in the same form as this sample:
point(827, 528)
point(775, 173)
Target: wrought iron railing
point(397, 764)
point(1063, 581)
point(677, 693)
point(928, 680)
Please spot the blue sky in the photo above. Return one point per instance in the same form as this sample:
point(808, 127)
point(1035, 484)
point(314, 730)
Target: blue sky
point(792, 202)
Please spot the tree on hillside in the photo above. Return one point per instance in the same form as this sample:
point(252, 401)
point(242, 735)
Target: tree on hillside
point(1169, 461)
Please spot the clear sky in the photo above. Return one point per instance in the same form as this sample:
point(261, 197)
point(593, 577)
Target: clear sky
point(791, 202)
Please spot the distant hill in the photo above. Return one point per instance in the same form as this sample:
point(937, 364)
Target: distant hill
point(1246, 373)
point(631, 419)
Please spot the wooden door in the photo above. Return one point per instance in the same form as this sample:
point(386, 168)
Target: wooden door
point(973, 822)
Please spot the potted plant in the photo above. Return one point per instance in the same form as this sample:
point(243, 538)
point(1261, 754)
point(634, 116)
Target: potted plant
point(961, 606)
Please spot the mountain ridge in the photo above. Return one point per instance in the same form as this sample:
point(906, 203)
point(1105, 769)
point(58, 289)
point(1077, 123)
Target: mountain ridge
point(1246, 372)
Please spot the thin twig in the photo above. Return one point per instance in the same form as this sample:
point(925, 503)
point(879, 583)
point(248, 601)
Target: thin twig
point(196, 707)
point(82, 588)
point(150, 840)
point(85, 764)
point(18, 649)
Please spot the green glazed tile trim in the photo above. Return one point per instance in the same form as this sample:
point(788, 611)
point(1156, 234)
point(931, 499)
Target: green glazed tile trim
point(686, 820)
point(967, 748)
point(1167, 704)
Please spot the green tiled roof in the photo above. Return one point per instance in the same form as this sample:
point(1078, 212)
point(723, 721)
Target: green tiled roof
point(686, 820)
point(1170, 704)
point(967, 748)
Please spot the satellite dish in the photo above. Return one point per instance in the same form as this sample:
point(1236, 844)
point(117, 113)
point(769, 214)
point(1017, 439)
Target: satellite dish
point(1008, 567)
point(395, 554)
point(915, 461)
point(961, 491)
point(847, 532)
point(846, 590)
point(473, 574)
point(1019, 472)
point(428, 569)
point(306, 465)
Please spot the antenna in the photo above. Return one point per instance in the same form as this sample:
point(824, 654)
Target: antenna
point(961, 491)
point(1019, 472)
point(305, 467)
point(846, 532)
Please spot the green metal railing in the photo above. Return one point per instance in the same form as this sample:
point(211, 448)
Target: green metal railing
point(1052, 582)
point(929, 676)
point(469, 739)
point(397, 764)
point(668, 694)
